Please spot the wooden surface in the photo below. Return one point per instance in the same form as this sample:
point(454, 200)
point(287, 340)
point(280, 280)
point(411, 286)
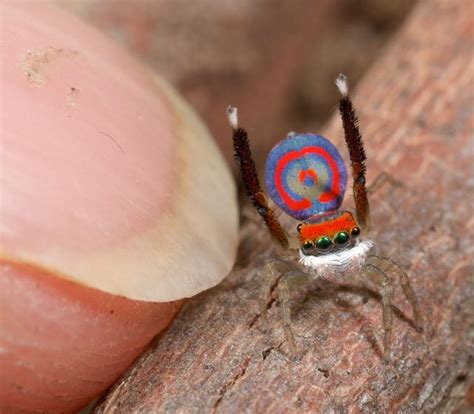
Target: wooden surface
point(416, 113)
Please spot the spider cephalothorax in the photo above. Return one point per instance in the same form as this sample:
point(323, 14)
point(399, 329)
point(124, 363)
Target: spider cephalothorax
point(328, 233)
point(306, 177)
point(331, 244)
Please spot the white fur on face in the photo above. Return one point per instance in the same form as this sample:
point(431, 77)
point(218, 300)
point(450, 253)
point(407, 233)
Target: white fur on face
point(344, 260)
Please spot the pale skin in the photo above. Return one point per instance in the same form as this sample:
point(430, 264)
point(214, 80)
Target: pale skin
point(284, 269)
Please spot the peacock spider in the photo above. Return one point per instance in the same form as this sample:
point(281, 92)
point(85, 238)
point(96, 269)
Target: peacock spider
point(306, 177)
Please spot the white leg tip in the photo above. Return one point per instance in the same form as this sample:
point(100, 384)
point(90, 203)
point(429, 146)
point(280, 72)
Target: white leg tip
point(232, 116)
point(342, 84)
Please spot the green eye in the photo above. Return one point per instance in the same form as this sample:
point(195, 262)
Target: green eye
point(355, 231)
point(342, 237)
point(323, 243)
point(308, 244)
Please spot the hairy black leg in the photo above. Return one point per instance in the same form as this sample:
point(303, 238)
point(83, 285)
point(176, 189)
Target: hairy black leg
point(251, 182)
point(355, 146)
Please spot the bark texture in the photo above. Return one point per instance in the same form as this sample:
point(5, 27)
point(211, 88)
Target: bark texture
point(416, 115)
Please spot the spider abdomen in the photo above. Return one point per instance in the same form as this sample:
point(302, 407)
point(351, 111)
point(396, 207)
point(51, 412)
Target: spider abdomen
point(305, 175)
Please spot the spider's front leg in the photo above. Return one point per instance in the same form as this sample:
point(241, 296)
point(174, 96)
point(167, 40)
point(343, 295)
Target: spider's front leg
point(249, 175)
point(355, 145)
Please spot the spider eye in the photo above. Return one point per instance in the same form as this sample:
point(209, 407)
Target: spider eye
point(308, 244)
point(323, 243)
point(355, 231)
point(298, 227)
point(342, 237)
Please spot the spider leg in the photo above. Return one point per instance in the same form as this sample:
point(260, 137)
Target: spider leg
point(357, 155)
point(390, 266)
point(378, 276)
point(381, 180)
point(251, 182)
point(284, 298)
point(273, 270)
point(270, 275)
point(280, 274)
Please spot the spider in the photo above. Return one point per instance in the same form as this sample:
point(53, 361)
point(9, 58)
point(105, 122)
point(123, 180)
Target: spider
point(306, 177)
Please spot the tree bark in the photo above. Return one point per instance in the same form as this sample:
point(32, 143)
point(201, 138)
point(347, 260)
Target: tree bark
point(416, 115)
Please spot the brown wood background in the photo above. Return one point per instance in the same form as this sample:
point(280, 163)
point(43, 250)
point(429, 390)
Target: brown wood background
point(416, 113)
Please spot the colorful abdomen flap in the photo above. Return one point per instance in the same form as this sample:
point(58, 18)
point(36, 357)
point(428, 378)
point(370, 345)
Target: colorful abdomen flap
point(305, 175)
